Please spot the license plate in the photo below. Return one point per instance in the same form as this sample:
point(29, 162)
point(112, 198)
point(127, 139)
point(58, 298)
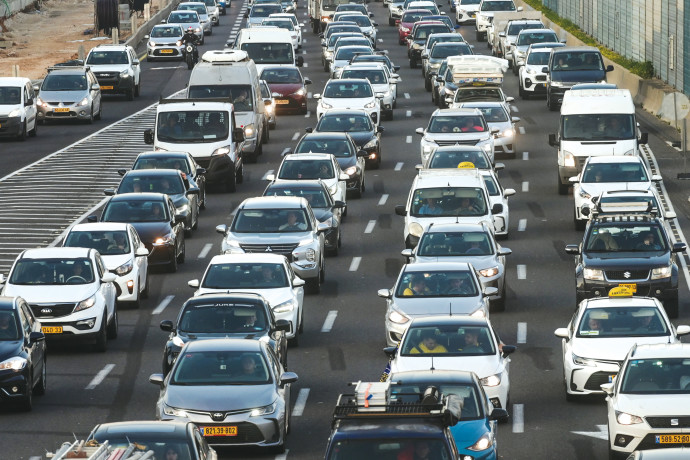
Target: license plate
point(219, 430)
point(631, 286)
point(51, 329)
point(61, 109)
point(611, 377)
point(672, 438)
point(106, 87)
point(166, 51)
point(282, 101)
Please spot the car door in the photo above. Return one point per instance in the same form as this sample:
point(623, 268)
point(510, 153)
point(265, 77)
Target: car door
point(177, 228)
point(136, 68)
point(107, 289)
point(298, 291)
point(36, 350)
point(361, 161)
point(142, 263)
point(342, 185)
point(95, 93)
point(276, 366)
point(30, 109)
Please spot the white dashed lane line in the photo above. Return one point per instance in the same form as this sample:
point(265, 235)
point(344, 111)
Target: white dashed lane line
point(522, 272)
point(295, 136)
point(206, 249)
point(269, 172)
point(383, 199)
point(330, 319)
point(161, 306)
point(398, 166)
point(408, 113)
point(408, 139)
point(309, 95)
point(522, 225)
point(513, 108)
point(525, 156)
point(522, 333)
point(354, 266)
point(370, 226)
point(102, 374)
point(525, 186)
point(308, 114)
point(521, 129)
point(407, 95)
point(300, 403)
point(518, 418)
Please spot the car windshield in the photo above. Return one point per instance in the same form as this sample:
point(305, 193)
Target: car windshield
point(494, 114)
point(536, 37)
point(306, 170)
point(375, 77)
point(344, 123)
point(223, 317)
point(448, 340)
point(9, 325)
point(409, 392)
point(373, 58)
point(353, 7)
point(281, 23)
point(271, 221)
point(345, 54)
point(156, 442)
point(459, 49)
point(448, 202)
point(437, 284)
point(457, 124)
point(338, 89)
point(107, 243)
point(200, 9)
point(170, 184)
point(158, 162)
point(210, 2)
point(359, 19)
point(167, 31)
point(55, 82)
point(270, 53)
point(107, 57)
point(245, 276)
point(192, 126)
point(317, 197)
point(183, 18)
point(470, 2)
point(263, 11)
point(135, 211)
point(331, 5)
point(240, 95)
point(345, 28)
point(10, 95)
point(582, 60)
point(632, 321)
point(54, 272)
point(454, 38)
point(538, 58)
point(414, 16)
point(449, 159)
point(281, 75)
point(479, 94)
point(220, 368)
point(340, 148)
point(598, 127)
point(622, 237)
point(656, 376)
point(381, 448)
point(337, 36)
point(515, 29)
point(422, 32)
point(442, 244)
point(500, 5)
point(614, 172)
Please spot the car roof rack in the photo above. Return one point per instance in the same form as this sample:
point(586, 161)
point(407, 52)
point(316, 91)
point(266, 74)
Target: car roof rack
point(93, 450)
point(630, 211)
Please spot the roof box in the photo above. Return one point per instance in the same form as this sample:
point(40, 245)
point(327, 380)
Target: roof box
point(225, 56)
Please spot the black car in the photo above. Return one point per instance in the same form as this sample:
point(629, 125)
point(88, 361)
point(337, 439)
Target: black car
point(170, 182)
point(382, 58)
point(22, 354)
point(195, 174)
point(325, 209)
point(418, 40)
point(616, 251)
point(153, 216)
point(184, 437)
point(213, 316)
point(361, 129)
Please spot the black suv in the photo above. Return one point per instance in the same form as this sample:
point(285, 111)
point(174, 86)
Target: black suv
point(631, 249)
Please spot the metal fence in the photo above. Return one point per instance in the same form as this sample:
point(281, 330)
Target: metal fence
point(643, 30)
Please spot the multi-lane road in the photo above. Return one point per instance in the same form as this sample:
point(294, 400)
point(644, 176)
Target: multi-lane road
point(344, 331)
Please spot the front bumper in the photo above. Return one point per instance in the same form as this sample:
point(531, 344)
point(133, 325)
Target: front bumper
point(662, 289)
point(584, 380)
point(73, 112)
point(556, 93)
point(165, 52)
point(250, 145)
point(10, 126)
point(535, 84)
point(127, 286)
point(465, 16)
point(13, 385)
point(291, 102)
point(113, 83)
point(218, 168)
point(84, 324)
point(160, 255)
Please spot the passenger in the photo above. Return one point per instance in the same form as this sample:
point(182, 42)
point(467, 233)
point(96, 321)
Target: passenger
point(418, 451)
point(470, 124)
point(471, 344)
point(648, 244)
point(292, 224)
point(241, 102)
point(595, 324)
point(8, 329)
point(466, 207)
point(647, 323)
point(428, 344)
point(615, 129)
point(119, 244)
point(172, 126)
point(214, 125)
point(458, 285)
point(430, 208)
point(248, 366)
point(171, 453)
point(417, 287)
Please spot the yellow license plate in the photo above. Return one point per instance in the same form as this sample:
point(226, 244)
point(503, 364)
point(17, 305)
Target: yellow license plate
point(631, 286)
point(106, 87)
point(219, 430)
point(51, 329)
point(672, 438)
point(282, 101)
point(611, 377)
point(61, 109)
point(166, 51)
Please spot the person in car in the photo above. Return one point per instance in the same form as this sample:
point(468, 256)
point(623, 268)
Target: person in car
point(214, 125)
point(428, 344)
point(171, 453)
point(430, 208)
point(466, 207)
point(471, 344)
point(470, 124)
point(417, 287)
point(648, 244)
point(292, 224)
point(172, 126)
point(418, 451)
point(8, 329)
point(119, 243)
point(241, 102)
point(458, 286)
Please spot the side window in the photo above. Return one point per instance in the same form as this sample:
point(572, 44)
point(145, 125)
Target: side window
point(136, 243)
point(573, 322)
point(26, 312)
point(171, 210)
point(100, 266)
point(201, 445)
point(26, 327)
point(274, 362)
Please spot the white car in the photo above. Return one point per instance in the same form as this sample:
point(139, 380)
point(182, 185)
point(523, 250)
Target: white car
point(498, 200)
point(287, 24)
point(600, 334)
point(266, 274)
point(525, 38)
point(122, 252)
point(531, 78)
point(295, 23)
point(349, 94)
point(647, 402)
point(18, 107)
point(364, 23)
point(69, 291)
point(461, 343)
point(497, 117)
point(606, 173)
point(485, 15)
point(466, 10)
point(344, 50)
point(378, 76)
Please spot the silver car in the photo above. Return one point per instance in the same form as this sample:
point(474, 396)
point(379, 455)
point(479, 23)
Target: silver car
point(187, 19)
point(213, 10)
point(165, 42)
point(69, 93)
point(204, 18)
point(497, 117)
point(235, 390)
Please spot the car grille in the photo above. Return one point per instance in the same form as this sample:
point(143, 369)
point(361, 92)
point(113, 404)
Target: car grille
point(620, 275)
point(597, 379)
point(246, 433)
point(540, 78)
point(457, 142)
point(285, 249)
point(56, 310)
point(649, 442)
point(665, 422)
point(63, 103)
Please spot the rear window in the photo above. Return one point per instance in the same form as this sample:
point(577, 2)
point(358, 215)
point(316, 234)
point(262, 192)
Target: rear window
point(579, 60)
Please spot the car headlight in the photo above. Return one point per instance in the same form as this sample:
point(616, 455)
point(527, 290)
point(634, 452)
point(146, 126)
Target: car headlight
point(178, 43)
point(583, 194)
point(556, 84)
point(249, 130)
point(15, 363)
point(40, 102)
point(488, 272)
point(197, 30)
point(15, 113)
point(370, 105)
point(580, 361)
point(88, 303)
point(627, 419)
point(124, 268)
point(483, 443)
point(184, 209)
point(351, 170)
point(486, 146)
point(221, 151)
point(83, 102)
point(405, 30)
point(415, 229)
point(269, 109)
point(479, 313)
point(593, 274)
point(332, 189)
point(531, 71)
point(285, 307)
point(519, 53)
point(326, 105)
point(568, 159)
point(661, 272)
point(328, 55)
point(398, 318)
point(152, 45)
point(232, 243)
point(300, 92)
point(174, 412)
point(491, 381)
point(124, 74)
point(163, 240)
point(266, 410)
point(371, 144)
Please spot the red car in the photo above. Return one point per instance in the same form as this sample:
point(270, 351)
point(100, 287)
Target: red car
point(288, 88)
point(407, 20)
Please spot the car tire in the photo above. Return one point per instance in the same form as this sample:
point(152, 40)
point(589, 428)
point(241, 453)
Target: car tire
point(413, 64)
point(183, 254)
point(91, 117)
point(137, 89)
point(427, 84)
point(202, 205)
point(478, 36)
point(231, 183)
point(172, 265)
point(195, 224)
point(515, 68)
point(240, 175)
point(27, 402)
point(552, 107)
point(358, 192)
point(22, 135)
point(313, 285)
point(146, 290)
point(266, 135)
point(562, 188)
point(671, 307)
point(391, 21)
point(294, 342)
point(100, 112)
point(34, 131)
point(130, 94)
point(113, 326)
point(322, 272)
point(101, 344)
point(500, 304)
point(42, 385)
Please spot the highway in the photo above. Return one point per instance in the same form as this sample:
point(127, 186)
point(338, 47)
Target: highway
point(344, 334)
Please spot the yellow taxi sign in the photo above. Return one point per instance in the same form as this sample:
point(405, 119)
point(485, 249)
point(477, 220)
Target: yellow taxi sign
point(466, 165)
point(621, 291)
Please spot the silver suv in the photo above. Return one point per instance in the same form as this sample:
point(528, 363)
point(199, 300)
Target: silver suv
point(279, 225)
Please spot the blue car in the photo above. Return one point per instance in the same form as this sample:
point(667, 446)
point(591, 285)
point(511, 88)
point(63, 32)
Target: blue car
point(475, 432)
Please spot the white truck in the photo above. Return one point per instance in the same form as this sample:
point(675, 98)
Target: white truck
point(503, 30)
point(321, 12)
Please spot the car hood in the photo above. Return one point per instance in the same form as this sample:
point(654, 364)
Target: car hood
point(483, 366)
point(114, 261)
point(665, 404)
point(626, 260)
point(268, 238)
point(5, 109)
point(219, 397)
point(348, 102)
point(165, 40)
point(274, 296)
point(460, 137)
point(478, 262)
point(149, 231)
point(466, 433)
point(245, 118)
point(361, 137)
point(74, 96)
point(610, 349)
point(594, 189)
point(285, 89)
point(578, 76)
point(51, 294)
point(346, 162)
point(429, 306)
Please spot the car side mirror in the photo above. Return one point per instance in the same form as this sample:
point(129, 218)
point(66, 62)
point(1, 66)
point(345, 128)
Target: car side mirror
point(362, 153)
point(375, 24)
point(108, 277)
point(544, 70)
point(607, 388)
point(515, 119)
point(309, 129)
point(508, 350)
point(396, 68)
point(2, 279)
point(380, 129)
point(147, 37)
point(141, 252)
point(287, 377)
point(572, 249)
point(300, 61)
point(562, 332)
point(425, 55)
point(552, 140)
point(644, 138)
point(502, 34)
point(384, 293)
point(268, 102)
point(36, 337)
point(508, 192)
point(122, 172)
point(307, 81)
point(500, 415)
point(682, 330)
point(92, 219)
point(494, 130)
point(200, 171)
point(148, 136)
point(194, 190)
point(156, 379)
point(109, 192)
point(339, 204)
point(322, 227)
point(390, 351)
point(283, 325)
point(490, 291)
point(222, 229)
point(246, 15)
point(519, 8)
point(400, 210)
point(499, 167)
point(166, 325)
point(439, 79)
point(609, 68)
point(298, 282)
point(135, 62)
point(505, 252)
point(194, 284)
point(679, 247)
point(419, 131)
point(510, 99)
point(407, 254)
point(238, 135)
point(656, 178)
point(317, 96)
point(371, 15)
point(270, 177)
point(178, 219)
point(497, 208)
point(31, 101)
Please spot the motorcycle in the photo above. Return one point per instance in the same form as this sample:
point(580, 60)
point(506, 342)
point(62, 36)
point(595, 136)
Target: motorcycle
point(191, 51)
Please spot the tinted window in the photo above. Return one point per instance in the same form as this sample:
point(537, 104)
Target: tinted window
point(340, 148)
point(534, 37)
point(449, 159)
point(263, 11)
point(106, 243)
point(455, 244)
point(622, 322)
point(422, 32)
point(338, 89)
point(450, 201)
point(349, 53)
point(344, 123)
point(169, 184)
point(107, 57)
point(657, 376)
point(269, 53)
point(281, 75)
point(621, 237)
point(501, 5)
point(450, 340)
point(10, 95)
point(317, 197)
point(437, 284)
point(479, 94)
point(192, 126)
point(53, 271)
point(166, 31)
point(359, 19)
point(56, 82)
point(456, 124)
point(414, 16)
point(135, 211)
point(183, 18)
point(440, 52)
point(271, 221)
point(580, 60)
point(221, 368)
point(515, 29)
point(614, 172)
point(9, 325)
point(538, 58)
point(238, 276)
point(217, 318)
point(200, 9)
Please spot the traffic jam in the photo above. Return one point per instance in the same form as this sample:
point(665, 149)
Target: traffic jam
point(319, 239)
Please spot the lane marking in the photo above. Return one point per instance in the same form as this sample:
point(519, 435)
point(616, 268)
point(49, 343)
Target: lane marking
point(525, 156)
point(283, 456)
point(525, 186)
point(521, 129)
point(102, 374)
point(206, 249)
point(513, 108)
point(408, 113)
point(407, 95)
point(518, 418)
point(408, 139)
point(370, 226)
point(300, 403)
point(308, 114)
point(269, 172)
point(383, 199)
point(161, 306)
point(522, 272)
point(380, 40)
point(305, 65)
point(355, 264)
point(398, 166)
point(522, 333)
point(309, 95)
point(295, 136)
point(330, 319)
point(522, 225)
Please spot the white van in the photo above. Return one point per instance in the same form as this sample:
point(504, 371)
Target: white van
point(268, 46)
point(594, 122)
point(17, 108)
point(206, 128)
point(231, 74)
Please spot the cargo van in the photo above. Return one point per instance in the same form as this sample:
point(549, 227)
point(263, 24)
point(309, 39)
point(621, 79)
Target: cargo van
point(268, 46)
point(232, 74)
point(594, 122)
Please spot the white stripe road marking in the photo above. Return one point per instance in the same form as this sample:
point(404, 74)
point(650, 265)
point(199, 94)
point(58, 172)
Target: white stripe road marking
point(270, 171)
point(408, 139)
point(161, 306)
point(383, 199)
point(408, 113)
point(522, 225)
point(283, 456)
point(518, 418)
point(521, 129)
point(380, 40)
point(522, 333)
point(525, 156)
point(407, 95)
point(330, 319)
point(304, 40)
point(398, 166)
point(522, 272)
point(513, 108)
point(295, 136)
point(308, 114)
point(300, 403)
point(206, 249)
point(354, 266)
point(102, 374)
point(525, 186)
point(304, 51)
point(309, 95)
point(305, 65)
point(370, 226)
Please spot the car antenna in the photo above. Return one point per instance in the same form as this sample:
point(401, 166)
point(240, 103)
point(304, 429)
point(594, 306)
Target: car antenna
point(432, 364)
point(450, 309)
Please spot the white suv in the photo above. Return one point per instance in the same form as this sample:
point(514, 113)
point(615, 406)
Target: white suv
point(117, 69)
point(18, 111)
point(349, 94)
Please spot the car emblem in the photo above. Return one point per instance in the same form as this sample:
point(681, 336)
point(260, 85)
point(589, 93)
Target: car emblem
point(218, 416)
point(674, 422)
point(268, 249)
point(46, 311)
point(627, 275)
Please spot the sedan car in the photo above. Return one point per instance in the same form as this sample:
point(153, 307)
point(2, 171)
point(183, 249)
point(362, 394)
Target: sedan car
point(69, 94)
point(165, 42)
point(432, 60)
point(153, 216)
point(257, 13)
point(429, 289)
point(498, 200)
point(342, 55)
point(456, 343)
point(349, 94)
point(22, 354)
point(284, 23)
point(498, 118)
point(235, 390)
point(122, 252)
point(288, 87)
point(204, 18)
point(187, 19)
point(407, 20)
point(457, 156)
point(531, 78)
point(366, 25)
point(329, 41)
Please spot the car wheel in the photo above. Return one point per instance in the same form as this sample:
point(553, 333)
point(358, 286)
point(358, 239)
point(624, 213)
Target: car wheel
point(145, 291)
point(231, 183)
point(90, 120)
point(294, 342)
point(549, 103)
point(671, 306)
point(301, 321)
point(266, 135)
point(391, 21)
point(101, 344)
point(203, 39)
point(137, 89)
point(202, 205)
point(413, 64)
point(288, 419)
point(27, 402)
point(183, 253)
point(427, 84)
point(562, 188)
point(478, 36)
point(42, 385)
point(113, 326)
point(240, 174)
point(515, 68)
point(100, 112)
point(500, 303)
point(34, 131)
point(521, 91)
point(149, 58)
point(313, 285)
point(22, 134)
point(579, 223)
point(130, 94)
point(172, 266)
point(195, 225)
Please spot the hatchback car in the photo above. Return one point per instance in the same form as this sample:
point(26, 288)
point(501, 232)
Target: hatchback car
point(204, 18)
point(288, 88)
point(165, 42)
point(432, 60)
point(531, 78)
point(329, 41)
point(257, 13)
point(407, 20)
point(366, 25)
point(456, 156)
point(497, 117)
point(235, 390)
point(417, 39)
point(69, 93)
point(342, 55)
point(383, 83)
point(349, 94)
point(187, 19)
point(287, 24)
